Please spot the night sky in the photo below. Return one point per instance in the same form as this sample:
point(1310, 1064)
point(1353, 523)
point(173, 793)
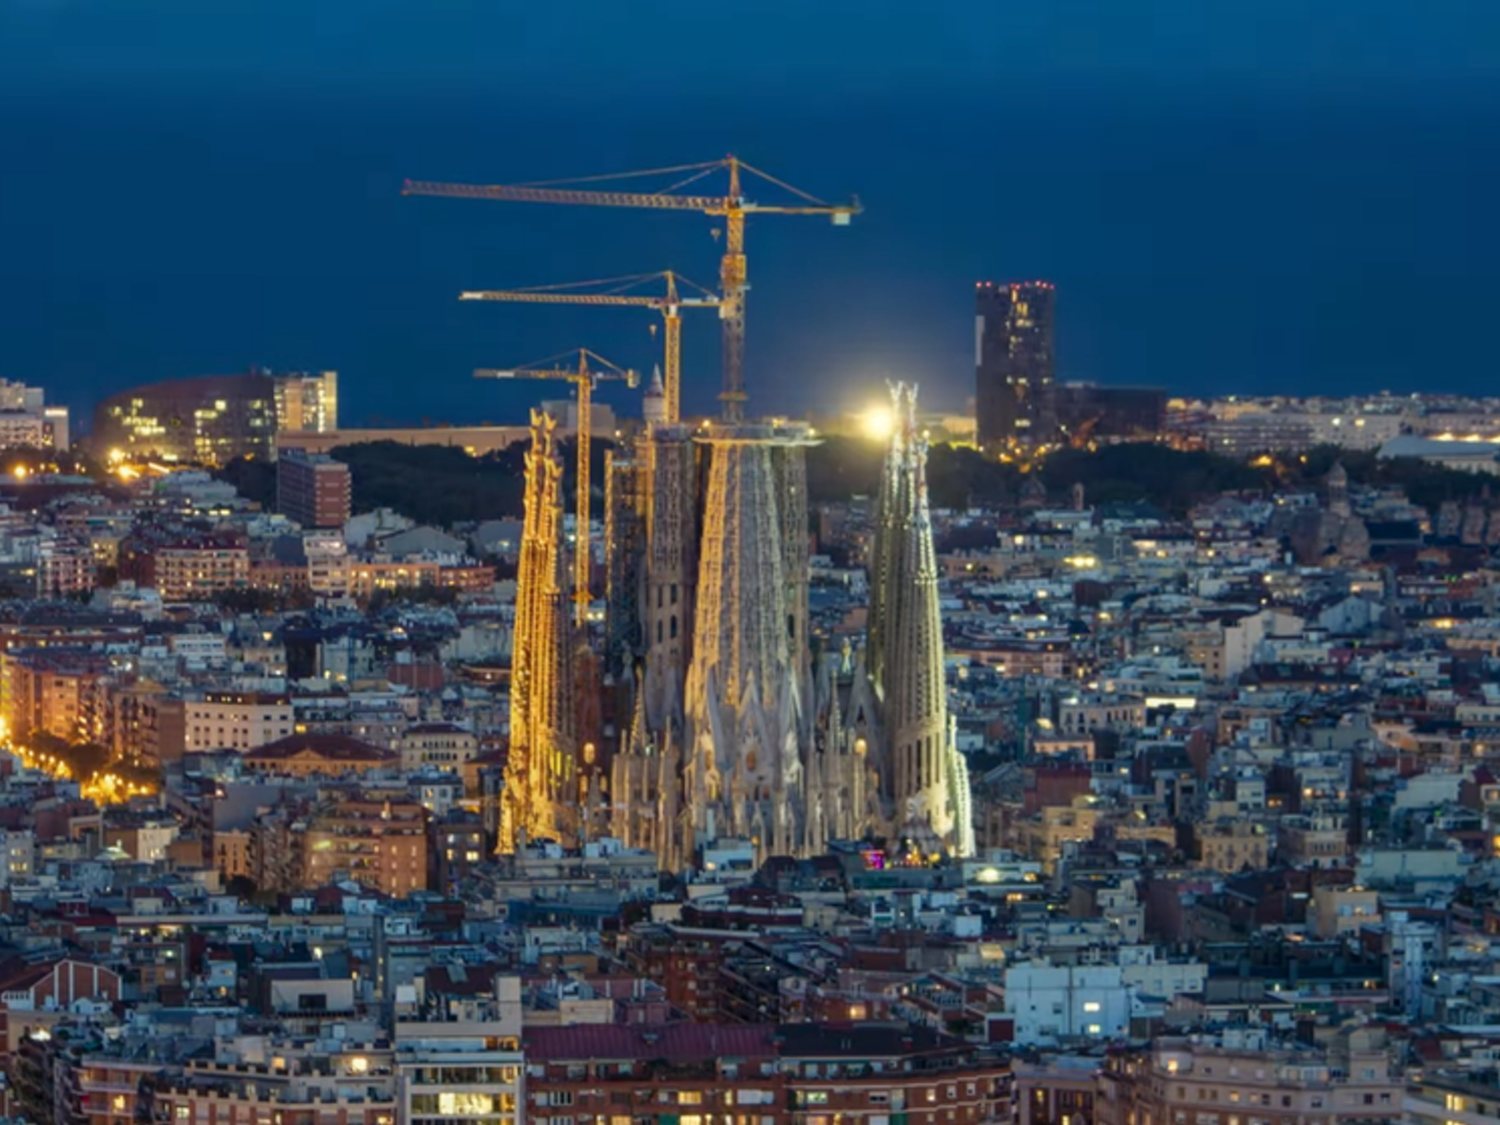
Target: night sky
point(1231, 195)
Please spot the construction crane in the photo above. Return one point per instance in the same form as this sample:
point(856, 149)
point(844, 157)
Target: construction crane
point(732, 206)
point(615, 292)
point(591, 367)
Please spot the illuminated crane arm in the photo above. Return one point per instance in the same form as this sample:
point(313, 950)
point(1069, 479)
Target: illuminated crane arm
point(516, 194)
point(529, 296)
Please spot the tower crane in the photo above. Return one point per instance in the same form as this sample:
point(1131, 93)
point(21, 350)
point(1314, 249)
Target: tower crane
point(615, 292)
point(732, 206)
point(591, 367)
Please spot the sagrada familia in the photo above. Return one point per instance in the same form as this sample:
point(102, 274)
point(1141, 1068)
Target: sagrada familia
point(739, 728)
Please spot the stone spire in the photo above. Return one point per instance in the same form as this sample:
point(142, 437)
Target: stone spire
point(540, 775)
point(923, 774)
point(654, 402)
point(889, 503)
point(743, 708)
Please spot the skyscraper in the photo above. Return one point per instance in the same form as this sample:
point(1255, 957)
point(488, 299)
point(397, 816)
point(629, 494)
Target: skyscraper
point(1014, 363)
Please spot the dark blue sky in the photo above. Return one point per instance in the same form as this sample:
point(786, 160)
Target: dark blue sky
point(1231, 195)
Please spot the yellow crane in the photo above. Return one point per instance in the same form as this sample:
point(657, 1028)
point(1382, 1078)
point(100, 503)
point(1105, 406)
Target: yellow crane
point(583, 377)
point(615, 292)
point(732, 206)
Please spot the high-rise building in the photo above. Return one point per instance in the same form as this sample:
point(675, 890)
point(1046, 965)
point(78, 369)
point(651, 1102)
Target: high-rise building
point(312, 489)
point(307, 402)
point(1014, 363)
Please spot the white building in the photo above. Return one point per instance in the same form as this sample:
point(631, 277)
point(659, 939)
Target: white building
point(27, 423)
point(1050, 1004)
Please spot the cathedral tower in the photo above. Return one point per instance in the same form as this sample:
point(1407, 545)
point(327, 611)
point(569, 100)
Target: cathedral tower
point(743, 695)
point(923, 776)
point(540, 798)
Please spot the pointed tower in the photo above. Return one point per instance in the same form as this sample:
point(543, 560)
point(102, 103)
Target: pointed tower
point(923, 776)
point(654, 402)
point(886, 535)
point(742, 742)
point(625, 479)
point(670, 571)
point(540, 795)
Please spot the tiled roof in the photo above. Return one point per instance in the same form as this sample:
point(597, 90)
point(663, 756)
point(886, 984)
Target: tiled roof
point(331, 747)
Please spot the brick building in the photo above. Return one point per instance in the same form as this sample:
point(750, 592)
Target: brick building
point(312, 489)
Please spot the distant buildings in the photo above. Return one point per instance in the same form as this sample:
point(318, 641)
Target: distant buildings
point(1018, 400)
point(307, 402)
point(26, 422)
point(1014, 361)
point(212, 419)
point(313, 490)
point(1457, 432)
point(476, 441)
point(1086, 411)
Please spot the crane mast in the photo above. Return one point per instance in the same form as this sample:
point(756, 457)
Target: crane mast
point(731, 206)
point(733, 282)
point(583, 378)
point(612, 292)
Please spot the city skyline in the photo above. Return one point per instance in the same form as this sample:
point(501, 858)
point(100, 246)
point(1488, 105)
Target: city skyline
point(258, 220)
point(782, 745)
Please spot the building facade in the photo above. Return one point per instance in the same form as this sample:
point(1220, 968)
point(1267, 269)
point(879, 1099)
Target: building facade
point(212, 419)
point(378, 844)
point(313, 490)
point(307, 402)
point(1245, 1077)
point(1014, 363)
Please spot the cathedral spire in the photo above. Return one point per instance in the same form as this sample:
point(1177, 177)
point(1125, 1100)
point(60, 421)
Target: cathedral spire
point(922, 773)
point(541, 768)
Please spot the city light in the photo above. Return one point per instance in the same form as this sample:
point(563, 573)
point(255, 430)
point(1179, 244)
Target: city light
point(876, 422)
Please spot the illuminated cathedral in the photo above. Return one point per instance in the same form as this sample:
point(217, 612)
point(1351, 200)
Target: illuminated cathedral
point(736, 731)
